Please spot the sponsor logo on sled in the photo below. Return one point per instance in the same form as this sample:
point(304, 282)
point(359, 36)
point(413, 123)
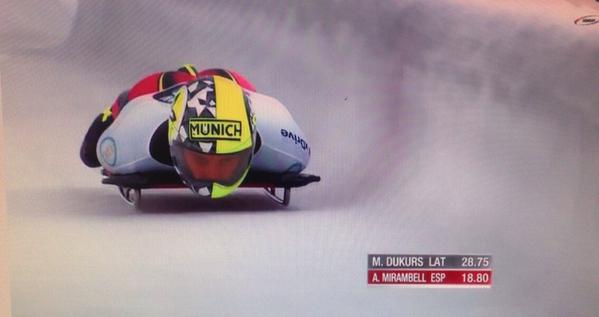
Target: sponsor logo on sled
point(296, 138)
point(211, 129)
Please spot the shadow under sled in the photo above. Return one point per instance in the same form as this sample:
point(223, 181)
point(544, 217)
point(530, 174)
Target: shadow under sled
point(130, 185)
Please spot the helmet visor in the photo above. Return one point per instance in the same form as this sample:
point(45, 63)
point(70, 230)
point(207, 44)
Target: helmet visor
point(225, 169)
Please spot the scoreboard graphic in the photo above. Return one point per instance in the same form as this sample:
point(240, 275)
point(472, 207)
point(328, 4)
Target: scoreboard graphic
point(443, 271)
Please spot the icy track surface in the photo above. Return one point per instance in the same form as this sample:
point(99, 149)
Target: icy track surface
point(437, 126)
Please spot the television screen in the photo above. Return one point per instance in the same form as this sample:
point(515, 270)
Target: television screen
point(299, 158)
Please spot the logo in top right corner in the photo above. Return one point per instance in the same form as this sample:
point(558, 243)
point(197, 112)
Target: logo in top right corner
point(587, 20)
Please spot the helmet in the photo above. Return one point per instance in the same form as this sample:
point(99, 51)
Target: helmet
point(211, 135)
point(188, 68)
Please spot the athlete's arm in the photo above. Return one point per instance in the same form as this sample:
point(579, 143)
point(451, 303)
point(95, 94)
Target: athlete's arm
point(150, 84)
point(98, 126)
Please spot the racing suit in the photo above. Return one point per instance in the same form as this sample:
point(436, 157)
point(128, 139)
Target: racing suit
point(131, 135)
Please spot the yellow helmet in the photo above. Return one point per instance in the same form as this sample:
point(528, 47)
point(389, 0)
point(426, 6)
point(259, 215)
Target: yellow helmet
point(188, 68)
point(211, 135)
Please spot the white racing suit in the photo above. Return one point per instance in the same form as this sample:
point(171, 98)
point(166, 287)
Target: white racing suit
point(136, 142)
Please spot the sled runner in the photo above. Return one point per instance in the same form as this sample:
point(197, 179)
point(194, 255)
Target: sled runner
point(130, 185)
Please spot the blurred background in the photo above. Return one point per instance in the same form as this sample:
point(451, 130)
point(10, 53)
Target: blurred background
point(437, 126)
